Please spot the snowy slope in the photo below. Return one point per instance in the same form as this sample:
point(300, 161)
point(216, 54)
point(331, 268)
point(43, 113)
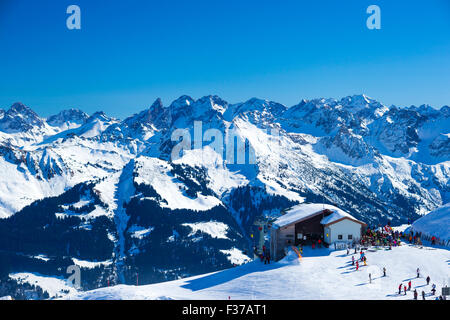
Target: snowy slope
point(436, 223)
point(321, 274)
point(56, 287)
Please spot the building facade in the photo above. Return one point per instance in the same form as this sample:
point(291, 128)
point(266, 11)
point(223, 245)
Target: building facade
point(308, 223)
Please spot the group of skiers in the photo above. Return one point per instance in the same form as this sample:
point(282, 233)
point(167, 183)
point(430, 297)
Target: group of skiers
point(417, 237)
point(384, 236)
point(413, 238)
point(401, 287)
point(415, 293)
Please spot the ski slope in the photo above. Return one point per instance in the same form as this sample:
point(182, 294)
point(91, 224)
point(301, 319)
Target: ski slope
point(320, 274)
point(436, 223)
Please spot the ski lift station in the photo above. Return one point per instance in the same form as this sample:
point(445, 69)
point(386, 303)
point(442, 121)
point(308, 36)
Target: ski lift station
point(308, 223)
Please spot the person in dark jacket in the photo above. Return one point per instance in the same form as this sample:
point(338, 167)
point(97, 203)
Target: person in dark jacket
point(415, 294)
point(433, 289)
point(428, 280)
point(423, 295)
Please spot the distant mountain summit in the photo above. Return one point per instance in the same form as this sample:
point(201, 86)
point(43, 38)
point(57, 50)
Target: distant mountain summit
point(68, 119)
point(20, 118)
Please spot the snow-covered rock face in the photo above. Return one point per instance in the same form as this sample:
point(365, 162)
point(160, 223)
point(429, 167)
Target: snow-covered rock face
point(20, 118)
point(68, 119)
point(375, 162)
point(440, 147)
point(257, 111)
point(355, 136)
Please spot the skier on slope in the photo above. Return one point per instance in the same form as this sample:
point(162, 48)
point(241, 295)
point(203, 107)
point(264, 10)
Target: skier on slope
point(353, 260)
point(418, 272)
point(428, 280)
point(400, 288)
point(404, 289)
point(433, 289)
point(370, 278)
point(415, 294)
point(357, 265)
point(423, 295)
point(384, 271)
point(409, 285)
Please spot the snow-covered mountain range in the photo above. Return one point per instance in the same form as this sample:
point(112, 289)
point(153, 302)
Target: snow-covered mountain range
point(109, 192)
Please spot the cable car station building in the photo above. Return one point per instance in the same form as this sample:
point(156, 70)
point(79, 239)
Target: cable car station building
point(308, 223)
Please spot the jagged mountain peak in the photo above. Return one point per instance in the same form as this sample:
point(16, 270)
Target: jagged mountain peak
point(425, 110)
point(148, 116)
point(362, 103)
point(445, 110)
point(99, 115)
point(19, 107)
point(69, 117)
point(157, 105)
point(182, 102)
point(257, 110)
point(358, 99)
point(210, 102)
point(20, 118)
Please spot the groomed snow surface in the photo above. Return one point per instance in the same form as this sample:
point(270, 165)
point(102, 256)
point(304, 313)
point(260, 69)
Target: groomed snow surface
point(436, 223)
point(320, 274)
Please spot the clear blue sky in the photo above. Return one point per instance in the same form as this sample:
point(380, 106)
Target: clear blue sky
point(130, 52)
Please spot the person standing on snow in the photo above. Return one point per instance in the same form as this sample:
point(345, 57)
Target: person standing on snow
point(384, 271)
point(353, 260)
point(433, 289)
point(418, 272)
point(400, 288)
point(409, 285)
point(428, 280)
point(357, 265)
point(404, 289)
point(415, 294)
point(423, 295)
point(370, 278)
